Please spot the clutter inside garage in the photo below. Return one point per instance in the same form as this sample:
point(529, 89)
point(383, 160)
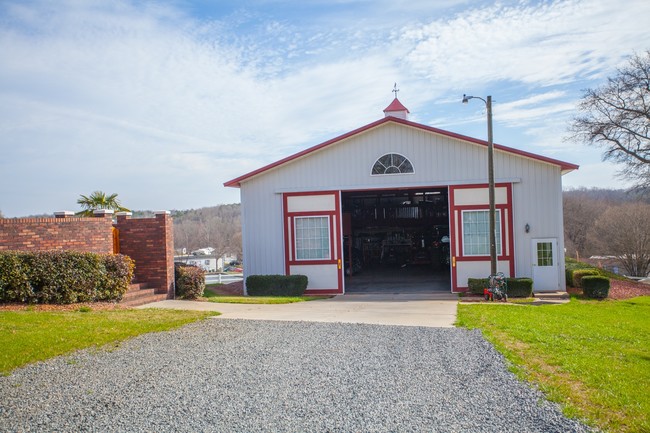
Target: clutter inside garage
point(396, 228)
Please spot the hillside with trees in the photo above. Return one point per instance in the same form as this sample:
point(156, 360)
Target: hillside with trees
point(217, 227)
point(607, 222)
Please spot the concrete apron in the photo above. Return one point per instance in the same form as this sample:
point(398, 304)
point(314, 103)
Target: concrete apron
point(435, 310)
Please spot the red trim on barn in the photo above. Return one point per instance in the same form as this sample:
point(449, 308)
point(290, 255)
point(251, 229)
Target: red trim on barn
point(452, 233)
point(316, 292)
point(236, 183)
point(511, 232)
point(456, 232)
point(336, 248)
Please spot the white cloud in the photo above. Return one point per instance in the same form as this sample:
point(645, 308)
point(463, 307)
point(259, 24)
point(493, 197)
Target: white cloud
point(134, 93)
point(162, 107)
point(537, 43)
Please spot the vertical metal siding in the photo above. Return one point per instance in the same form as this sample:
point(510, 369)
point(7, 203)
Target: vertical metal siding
point(438, 160)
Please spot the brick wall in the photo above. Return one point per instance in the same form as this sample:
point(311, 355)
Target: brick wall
point(90, 235)
point(150, 243)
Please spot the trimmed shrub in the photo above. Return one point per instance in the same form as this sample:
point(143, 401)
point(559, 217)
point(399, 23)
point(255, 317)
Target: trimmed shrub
point(476, 285)
point(579, 274)
point(118, 276)
point(63, 277)
point(572, 265)
point(190, 281)
point(519, 287)
point(595, 286)
point(276, 285)
point(568, 274)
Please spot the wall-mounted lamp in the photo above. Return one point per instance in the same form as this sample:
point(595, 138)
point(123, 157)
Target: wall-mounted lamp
point(527, 228)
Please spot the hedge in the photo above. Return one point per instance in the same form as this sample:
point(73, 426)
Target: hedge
point(595, 286)
point(579, 274)
point(572, 265)
point(190, 281)
point(476, 285)
point(520, 287)
point(517, 287)
point(276, 285)
point(63, 277)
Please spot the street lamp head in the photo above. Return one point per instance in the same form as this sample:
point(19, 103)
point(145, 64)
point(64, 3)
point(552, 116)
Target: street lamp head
point(466, 99)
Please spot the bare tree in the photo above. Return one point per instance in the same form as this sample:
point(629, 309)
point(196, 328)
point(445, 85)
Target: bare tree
point(624, 231)
point(216, 227)
point(616, 117)
point(186, 235)
point(581, 210)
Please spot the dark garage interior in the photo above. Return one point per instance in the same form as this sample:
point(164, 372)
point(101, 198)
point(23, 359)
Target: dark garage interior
point(398, 240)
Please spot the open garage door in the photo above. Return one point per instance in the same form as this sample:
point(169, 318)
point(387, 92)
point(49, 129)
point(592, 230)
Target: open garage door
point(396, 240)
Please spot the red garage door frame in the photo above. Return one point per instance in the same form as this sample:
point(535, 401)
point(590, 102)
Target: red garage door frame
point(458, 256)
point(332, 265)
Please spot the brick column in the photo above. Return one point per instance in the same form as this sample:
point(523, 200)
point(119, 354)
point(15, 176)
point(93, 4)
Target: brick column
point(150, 243)
point(167, 225)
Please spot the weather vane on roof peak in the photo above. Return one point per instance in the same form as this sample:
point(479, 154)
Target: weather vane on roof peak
point(395, 90)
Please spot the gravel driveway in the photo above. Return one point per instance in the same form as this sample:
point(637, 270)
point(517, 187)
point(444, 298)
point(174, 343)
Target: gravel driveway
point(242, 375)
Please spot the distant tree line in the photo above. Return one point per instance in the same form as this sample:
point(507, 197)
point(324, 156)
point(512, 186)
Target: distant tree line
point(607, 222)
point(218, 227)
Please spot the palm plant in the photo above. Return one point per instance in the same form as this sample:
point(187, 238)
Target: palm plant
point(99, 200)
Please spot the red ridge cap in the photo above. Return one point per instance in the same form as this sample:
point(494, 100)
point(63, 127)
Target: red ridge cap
point(236, 183)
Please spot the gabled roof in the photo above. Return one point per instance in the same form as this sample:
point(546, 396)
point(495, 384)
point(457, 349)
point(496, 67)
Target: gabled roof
point(564, 166)
point(396, 106)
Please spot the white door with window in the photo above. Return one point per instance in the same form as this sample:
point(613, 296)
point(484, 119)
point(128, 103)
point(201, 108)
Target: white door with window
point(545, 266)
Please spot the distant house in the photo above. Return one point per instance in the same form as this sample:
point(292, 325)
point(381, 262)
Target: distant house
point(209, 263)
point(401, 197)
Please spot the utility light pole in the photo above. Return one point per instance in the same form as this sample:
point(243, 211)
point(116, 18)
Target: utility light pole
point(492, 213)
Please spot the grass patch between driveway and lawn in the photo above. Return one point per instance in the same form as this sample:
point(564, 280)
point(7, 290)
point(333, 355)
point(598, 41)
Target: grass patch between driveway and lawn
point(29, 336)
point(593, 357)
point(211, 296)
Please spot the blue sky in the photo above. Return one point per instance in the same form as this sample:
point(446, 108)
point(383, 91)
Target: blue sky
point(162, 102)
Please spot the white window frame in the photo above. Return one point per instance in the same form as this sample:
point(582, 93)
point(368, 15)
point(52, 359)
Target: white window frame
point(498, 228)
point(390, 174)
point(296, 238)
point(547, 254)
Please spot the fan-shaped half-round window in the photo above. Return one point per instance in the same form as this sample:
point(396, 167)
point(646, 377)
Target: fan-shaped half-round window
point(392, 163)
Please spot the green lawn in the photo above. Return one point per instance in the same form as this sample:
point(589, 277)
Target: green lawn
point(29, 336)
point(591, 356)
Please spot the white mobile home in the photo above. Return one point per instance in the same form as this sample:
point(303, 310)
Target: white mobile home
point(401, 198)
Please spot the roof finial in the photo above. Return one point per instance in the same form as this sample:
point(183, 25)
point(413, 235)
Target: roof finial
point(395, 90)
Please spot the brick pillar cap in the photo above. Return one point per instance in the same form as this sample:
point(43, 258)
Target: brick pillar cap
point(124, 214)
point(162, 212)
point(103, 212)
point(64, 213)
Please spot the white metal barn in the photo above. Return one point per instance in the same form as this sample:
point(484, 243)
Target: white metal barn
point(400, 200)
